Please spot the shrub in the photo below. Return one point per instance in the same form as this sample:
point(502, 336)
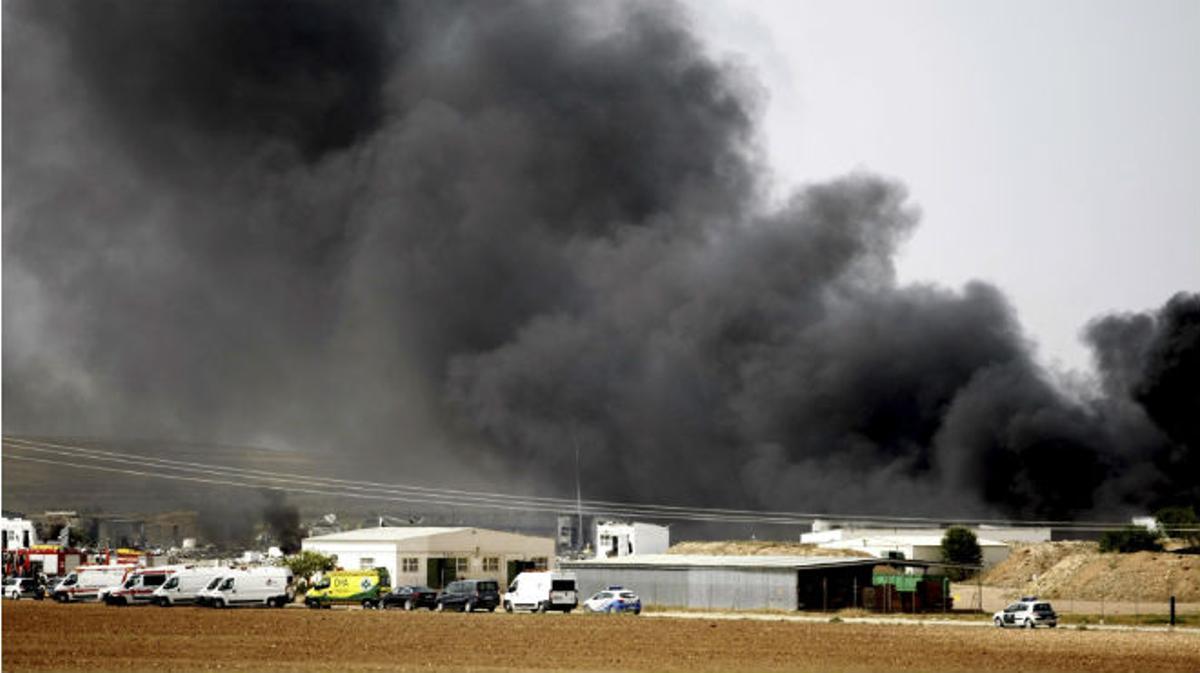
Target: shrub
point(308, 563)
point(1176, 521)
point(959, 545)
point(1128, 540)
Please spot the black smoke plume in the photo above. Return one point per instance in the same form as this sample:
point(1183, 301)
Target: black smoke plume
point(457, 241)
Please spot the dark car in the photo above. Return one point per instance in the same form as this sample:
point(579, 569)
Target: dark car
point(410, 597)
point(470, 595)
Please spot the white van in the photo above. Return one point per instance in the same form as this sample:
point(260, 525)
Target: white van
point(85, 583)
point(270, 587)
point(542, 590)
point(182, 587)
point(139, 586)
point(204, 595)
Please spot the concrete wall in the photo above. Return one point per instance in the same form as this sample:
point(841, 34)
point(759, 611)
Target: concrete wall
point(710, 588)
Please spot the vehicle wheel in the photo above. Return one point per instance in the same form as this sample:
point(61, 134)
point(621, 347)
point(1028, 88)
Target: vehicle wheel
point(541, 607)
point(568, 611)
point(408, 605)
point(366, 605)
point(507, 606)
point(312, 605)
point(999, 622)
point(492, 609)
point(1053, 625)
point(1028, 624)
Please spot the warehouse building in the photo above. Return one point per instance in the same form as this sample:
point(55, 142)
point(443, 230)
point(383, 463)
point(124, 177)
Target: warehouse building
point(436, 556)
point(763, 582)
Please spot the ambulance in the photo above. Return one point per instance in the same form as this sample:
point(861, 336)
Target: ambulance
point(86, 582)
point(365, 587)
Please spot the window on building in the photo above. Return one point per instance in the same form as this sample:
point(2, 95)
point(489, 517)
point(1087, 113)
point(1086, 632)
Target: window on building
point(410, 565)
point(461, 565)
point(366, 563)
point(539, 563)
point(491, 564)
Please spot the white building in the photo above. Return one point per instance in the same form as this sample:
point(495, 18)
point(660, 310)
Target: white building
point(614, 539)
point(823, 532)
point(914, 546)
point(436, 556)
point(17, 533)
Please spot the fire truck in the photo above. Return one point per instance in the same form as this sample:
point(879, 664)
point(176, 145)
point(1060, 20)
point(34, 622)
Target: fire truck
point(49, 559)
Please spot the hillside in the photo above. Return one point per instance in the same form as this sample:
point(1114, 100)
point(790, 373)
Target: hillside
point(1079, 570)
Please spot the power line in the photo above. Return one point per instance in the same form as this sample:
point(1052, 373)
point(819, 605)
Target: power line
point(251, 478)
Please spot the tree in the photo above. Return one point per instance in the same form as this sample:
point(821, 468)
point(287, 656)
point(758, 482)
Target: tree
point(1129, 540)
point(308, 563)
point(959, 545)
point(1179, 522)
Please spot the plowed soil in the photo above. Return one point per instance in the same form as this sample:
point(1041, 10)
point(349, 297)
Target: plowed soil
point(52, 637)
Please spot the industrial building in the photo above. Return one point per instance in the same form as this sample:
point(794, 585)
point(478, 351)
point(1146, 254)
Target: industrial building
point(917, 545)
point(436, 556)
point(766, 582)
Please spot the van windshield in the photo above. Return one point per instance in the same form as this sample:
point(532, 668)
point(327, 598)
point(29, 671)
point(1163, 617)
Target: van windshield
point(171, 583)
point(227, 584)
point(132, 581)
point(71, 580)
point(213, 584)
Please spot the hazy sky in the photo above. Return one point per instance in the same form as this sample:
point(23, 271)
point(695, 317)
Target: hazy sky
point(1054, 147)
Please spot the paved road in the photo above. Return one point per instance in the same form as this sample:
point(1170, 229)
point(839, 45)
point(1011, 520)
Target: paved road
point(909, 621)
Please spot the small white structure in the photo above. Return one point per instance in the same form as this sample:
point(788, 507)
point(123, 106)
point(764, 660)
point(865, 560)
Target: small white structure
point(615, 539)
point(434, 556)
point(18, 533)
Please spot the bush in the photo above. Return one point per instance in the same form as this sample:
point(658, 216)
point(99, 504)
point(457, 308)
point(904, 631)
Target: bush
point(1176, 521)
point(308, 563)
point(1128, 540)
point(960, 545)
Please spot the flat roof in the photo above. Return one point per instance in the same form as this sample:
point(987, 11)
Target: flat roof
point(715, 561)
point(384, 534)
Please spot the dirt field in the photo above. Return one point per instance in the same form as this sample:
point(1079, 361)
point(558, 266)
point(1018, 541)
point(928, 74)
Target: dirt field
point(51, 637)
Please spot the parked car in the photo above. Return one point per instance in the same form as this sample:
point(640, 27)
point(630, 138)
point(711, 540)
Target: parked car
point(614, 599)
point(470, 595)
point(410, 597)
point(16, 588)
point(1028, 612)
point(542, 590)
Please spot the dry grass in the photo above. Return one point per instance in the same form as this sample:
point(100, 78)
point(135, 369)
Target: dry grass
point(759, 548)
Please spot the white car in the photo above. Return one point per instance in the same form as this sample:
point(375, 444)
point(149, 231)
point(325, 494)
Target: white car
point(16, 588)
point(614, 599)
point(1027, 613)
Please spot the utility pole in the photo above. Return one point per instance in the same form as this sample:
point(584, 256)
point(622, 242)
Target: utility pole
point(578, 498)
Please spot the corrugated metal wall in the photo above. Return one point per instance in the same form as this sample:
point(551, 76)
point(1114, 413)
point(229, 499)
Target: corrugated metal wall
point(713, 588)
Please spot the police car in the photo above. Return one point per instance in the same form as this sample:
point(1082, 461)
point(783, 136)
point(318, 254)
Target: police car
point(614, 599)
point(1028, 613)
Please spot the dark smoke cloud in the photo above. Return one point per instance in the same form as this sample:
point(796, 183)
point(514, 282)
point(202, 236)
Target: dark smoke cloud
point(461, 240)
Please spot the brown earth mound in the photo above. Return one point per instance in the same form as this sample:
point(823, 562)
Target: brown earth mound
point(758, 548)
point(1079, 570)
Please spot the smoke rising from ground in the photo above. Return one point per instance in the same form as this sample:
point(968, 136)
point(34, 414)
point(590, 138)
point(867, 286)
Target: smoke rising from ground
point(462, 240)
